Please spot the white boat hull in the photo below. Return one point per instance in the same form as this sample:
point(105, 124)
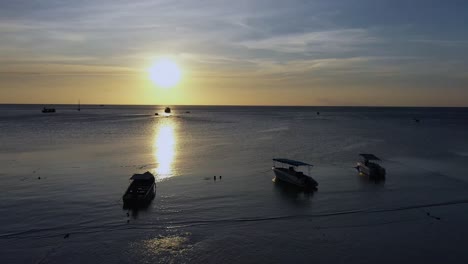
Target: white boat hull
point(304, 181)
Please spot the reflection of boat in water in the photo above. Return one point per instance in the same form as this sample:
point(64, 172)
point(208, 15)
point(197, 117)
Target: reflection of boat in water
point(294, 193)
point(48, 110)
point(167, 110)
point(293, 176)
point(369, 168)
point(141, 191)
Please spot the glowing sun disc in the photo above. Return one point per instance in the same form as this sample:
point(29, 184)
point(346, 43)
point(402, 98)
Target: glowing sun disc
point(165, 73)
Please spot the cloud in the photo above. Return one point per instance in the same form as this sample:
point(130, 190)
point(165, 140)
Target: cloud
point(440, 42)
point(340, 40)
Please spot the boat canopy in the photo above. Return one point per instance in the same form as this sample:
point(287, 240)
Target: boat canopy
point(369, 156)
point(145, 176)
point(292, 162)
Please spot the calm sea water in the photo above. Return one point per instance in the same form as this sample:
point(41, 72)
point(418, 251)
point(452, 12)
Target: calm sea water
point(65, 173)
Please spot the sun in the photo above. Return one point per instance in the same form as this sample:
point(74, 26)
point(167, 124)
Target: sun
point(165, 73)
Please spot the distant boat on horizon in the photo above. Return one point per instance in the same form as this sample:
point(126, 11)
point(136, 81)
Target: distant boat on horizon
point(48, 110)
point(167, 110)
point(79, 105)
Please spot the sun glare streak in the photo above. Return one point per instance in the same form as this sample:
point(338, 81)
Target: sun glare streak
point(165, 73)
point(165, 148)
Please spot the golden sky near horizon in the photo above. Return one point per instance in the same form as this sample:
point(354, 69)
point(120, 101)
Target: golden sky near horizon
point(137, 90)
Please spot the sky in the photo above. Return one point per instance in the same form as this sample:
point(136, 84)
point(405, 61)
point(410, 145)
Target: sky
point(316, 52)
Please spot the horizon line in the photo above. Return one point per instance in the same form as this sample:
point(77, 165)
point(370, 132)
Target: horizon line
point(235, 105)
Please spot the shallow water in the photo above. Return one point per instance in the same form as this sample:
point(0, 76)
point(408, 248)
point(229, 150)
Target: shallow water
point(65, 173)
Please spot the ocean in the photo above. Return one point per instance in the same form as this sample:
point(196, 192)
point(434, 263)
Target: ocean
point(63, 175)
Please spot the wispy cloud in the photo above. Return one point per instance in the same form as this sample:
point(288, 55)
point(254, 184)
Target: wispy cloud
point(323, 41)
point(441, 42)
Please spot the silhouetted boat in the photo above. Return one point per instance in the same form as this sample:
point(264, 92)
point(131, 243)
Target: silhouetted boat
point(142, 189)
point(79, 106)
point(293, 176)
point(48, 110)
point(167, 110)
point(369, 168)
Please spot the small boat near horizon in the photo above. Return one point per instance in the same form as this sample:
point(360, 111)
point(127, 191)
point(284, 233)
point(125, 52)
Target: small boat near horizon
point(369, 168)
point(167, 110)
point(48, 110)
point(141, 191)
point(292, 175)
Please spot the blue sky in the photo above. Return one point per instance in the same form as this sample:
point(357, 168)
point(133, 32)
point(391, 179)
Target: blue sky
point(325, 52)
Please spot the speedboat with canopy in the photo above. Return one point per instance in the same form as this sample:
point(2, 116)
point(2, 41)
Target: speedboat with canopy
point(369, 168)
point(292, 174)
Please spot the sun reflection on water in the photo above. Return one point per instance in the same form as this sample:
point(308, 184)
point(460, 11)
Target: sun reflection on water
point(165, 148)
